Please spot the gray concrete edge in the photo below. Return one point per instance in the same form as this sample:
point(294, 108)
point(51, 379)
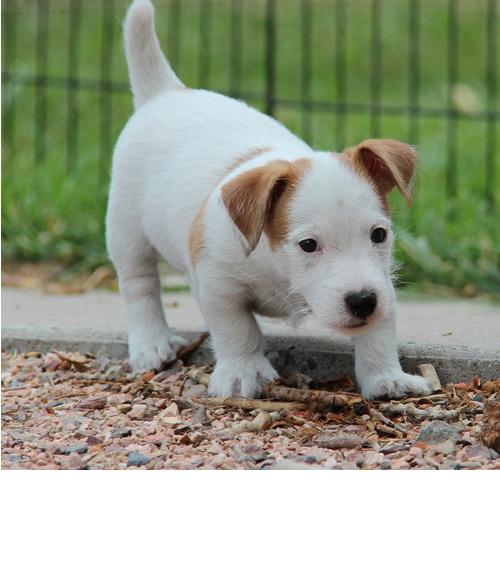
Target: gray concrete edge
point(317, 357)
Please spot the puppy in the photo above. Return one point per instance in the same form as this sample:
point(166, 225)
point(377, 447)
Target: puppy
point(262, 223)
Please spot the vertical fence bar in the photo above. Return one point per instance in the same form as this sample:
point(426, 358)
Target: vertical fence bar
point(305, 77)
point(340, 81)
point(491, 88)
point(413, 71)
point(376, 67)
point(235, 49)
point(9, 22)
point(105, 91)
point(270, 55)
point(451, 178)
point(72, 127)
point(174, 21)
point(41, 83)
point(205, 43)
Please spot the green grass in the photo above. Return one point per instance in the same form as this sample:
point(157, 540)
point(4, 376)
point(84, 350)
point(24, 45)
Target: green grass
point(50, 213)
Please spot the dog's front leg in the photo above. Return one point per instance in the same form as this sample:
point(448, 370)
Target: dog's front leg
point(377, 367)
point(241, 367)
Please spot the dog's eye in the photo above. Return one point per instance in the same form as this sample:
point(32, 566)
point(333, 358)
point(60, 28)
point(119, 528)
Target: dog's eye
point(309, 245)
point(379, 235)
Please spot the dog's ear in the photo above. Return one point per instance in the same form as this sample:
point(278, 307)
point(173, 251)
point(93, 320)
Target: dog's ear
point(386, 163)
point(254, 200)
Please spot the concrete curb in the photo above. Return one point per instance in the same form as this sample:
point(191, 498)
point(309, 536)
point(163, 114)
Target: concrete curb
point(319, 358)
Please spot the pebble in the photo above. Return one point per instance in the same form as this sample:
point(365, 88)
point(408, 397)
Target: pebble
point(196, 391)
point(76, 448)
point(142, 412)
point(137, 458)
point(475, 452)
point(200, 416)
point(94, 402)
point(75, 461)
point(339, 441)
point(446, 447)
point(437, 431)
point(119, 433)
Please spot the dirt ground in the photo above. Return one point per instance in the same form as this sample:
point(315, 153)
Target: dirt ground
point(70, 411)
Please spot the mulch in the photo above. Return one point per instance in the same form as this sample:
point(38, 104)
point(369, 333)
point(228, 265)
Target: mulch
point(71, 411)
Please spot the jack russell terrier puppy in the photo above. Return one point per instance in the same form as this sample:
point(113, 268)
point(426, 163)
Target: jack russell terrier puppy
point(262, 223)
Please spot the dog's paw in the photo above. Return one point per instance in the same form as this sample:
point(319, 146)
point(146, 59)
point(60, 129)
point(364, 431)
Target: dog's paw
point(151, 352)
point(394, 385)
point(243, 376)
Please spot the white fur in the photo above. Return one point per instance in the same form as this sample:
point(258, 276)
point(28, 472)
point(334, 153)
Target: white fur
point(172, 154)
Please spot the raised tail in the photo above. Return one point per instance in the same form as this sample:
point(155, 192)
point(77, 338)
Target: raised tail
point(149, 71)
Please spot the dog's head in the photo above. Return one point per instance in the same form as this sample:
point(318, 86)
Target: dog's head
point(326, 219)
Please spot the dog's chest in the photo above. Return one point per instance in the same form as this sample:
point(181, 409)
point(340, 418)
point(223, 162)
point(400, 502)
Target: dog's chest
point(275, 300)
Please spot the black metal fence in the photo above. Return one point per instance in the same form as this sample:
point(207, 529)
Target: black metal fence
point(47, 81)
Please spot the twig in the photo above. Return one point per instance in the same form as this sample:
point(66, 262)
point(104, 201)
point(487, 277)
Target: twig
point(315, 399)
point(310, 399)
point(186, 350)
point(251, 404)
point(387, 430)
point(386, 421)
point(260, 423)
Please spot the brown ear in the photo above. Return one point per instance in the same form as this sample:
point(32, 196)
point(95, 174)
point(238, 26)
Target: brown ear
point(252, 199)
point(386, 163)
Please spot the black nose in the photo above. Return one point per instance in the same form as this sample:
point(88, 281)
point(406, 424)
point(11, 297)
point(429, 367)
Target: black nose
point(361, 304)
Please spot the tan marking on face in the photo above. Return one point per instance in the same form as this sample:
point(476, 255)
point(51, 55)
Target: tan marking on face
point(385, 164)
point(258, 200)
point(195, 237)
point(195, 240)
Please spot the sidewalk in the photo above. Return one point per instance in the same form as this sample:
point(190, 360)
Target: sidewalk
point(447, 323)
point(461, 338)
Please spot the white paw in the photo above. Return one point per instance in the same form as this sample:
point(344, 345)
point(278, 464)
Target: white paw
point(150, 352)
point(394, 385)
point(243, 376)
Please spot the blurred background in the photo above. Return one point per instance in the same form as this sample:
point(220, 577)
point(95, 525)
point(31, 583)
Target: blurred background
point(335, 72)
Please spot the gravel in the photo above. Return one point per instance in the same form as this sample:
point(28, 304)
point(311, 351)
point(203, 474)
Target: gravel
point(70, 411)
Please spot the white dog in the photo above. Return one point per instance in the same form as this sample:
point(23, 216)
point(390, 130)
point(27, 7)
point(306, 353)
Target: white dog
point(260, 221)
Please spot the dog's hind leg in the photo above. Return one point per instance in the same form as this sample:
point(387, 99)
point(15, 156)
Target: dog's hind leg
point(151, 342)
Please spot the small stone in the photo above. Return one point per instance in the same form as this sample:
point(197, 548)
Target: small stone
point(373, 459)
point(446, 447)
point(138, 411)
point(475, 452)
point(330, 463)
point(136, 458)
point(120, 433)
point(21, 416)
point(200, 416)
point(196, 438)
point(347, 466)
point(171, 410)
point(93, 440)
point(76, 448)
point(94, 402)
point(75, 462)
point(125, 408)
point(196, 391)
point(386, 464)
point(437, 431)
point(416, 451)
point(400, 464)
point(339, 441)
point(169, 420)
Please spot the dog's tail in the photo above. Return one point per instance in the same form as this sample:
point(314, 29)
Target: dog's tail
point(149, 71)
